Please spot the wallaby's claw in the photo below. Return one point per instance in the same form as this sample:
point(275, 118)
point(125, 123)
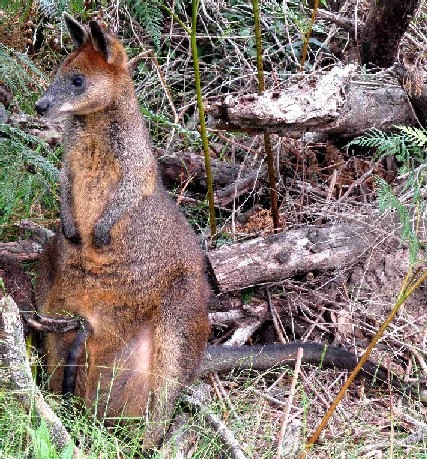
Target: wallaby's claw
point(70, 232)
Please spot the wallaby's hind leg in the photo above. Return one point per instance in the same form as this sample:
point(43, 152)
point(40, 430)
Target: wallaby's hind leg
point(46, 270)
point(178, 349)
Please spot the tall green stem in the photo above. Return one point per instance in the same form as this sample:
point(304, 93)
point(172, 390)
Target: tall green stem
point(267, 139)
point(200, 106)
point(307, 35)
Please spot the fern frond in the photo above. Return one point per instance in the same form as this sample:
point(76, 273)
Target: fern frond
point(387, 200)
point(21, 76)
point(384, 143)
point(28, 176)
point(417, 136)
point(149, 14)
point(407, 145)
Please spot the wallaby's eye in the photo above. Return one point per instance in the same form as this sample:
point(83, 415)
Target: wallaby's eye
point(78, 81)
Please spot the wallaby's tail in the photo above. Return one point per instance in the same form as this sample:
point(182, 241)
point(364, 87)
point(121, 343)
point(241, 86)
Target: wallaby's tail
point(223, 358)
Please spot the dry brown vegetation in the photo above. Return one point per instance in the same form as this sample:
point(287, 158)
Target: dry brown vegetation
point(321, 182)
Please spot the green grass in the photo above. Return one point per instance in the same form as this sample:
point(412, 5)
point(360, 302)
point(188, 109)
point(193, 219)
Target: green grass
point(361, 425)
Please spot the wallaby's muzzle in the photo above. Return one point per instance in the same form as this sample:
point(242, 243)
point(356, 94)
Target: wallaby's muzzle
point(42, 105)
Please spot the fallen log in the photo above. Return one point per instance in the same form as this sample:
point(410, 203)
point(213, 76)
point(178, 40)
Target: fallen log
point(280, 256)
point(23, 250)
point(339, 102)
point(285, 255)
point(189, 166)
point(230, 180)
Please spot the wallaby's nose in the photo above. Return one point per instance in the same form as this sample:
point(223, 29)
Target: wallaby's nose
point(42, 106)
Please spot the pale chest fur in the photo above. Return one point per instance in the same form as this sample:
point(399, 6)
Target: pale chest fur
point(95, 174)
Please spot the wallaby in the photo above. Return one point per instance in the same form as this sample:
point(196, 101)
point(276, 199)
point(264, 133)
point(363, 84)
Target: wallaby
point(125, 259)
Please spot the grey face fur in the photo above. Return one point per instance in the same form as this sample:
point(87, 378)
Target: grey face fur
point(57, 100)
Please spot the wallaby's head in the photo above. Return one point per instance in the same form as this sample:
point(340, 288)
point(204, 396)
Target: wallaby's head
point(87, 80)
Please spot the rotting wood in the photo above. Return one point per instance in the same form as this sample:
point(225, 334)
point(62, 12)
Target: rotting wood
point(294, 252)
point(23, 250)
point(339, 102)
point(413, 79)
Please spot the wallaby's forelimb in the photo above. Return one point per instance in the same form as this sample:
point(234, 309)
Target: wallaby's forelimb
point(125, 196)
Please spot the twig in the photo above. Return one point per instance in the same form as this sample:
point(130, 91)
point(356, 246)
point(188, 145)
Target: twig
point(289, 404)
point(217, 392)
point(224, 395)
point(345, 23)
point(276, 319)
point(244, 332)
point(268, 397)
point(132, 63)
point(322, 394)
point(357, 182)
point(420, 360)
point(197, 401)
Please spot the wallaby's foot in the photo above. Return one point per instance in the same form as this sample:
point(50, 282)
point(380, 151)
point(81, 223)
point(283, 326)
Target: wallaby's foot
point(101, 236)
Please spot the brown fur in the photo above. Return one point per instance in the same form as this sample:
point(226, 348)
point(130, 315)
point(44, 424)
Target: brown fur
point(126, 259)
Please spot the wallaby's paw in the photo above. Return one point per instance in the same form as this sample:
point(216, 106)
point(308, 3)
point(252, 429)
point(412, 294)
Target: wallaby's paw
point(70, 232)
point(101, 236)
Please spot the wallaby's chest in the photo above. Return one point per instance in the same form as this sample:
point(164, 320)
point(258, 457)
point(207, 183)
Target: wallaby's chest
point(95, 174)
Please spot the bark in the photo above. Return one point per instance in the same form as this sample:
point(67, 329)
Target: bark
point(413, 80)
point(387, 22)
point(25, 250)
point(282, 256)
point(338, 103)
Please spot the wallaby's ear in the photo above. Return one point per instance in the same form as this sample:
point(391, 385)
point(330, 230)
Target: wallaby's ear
point(101, 41)
point(78, 33)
